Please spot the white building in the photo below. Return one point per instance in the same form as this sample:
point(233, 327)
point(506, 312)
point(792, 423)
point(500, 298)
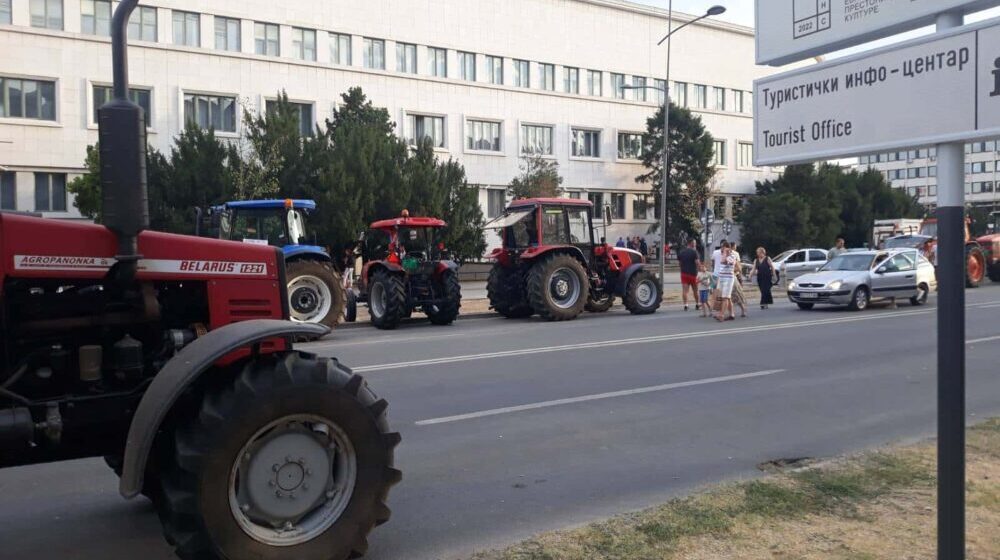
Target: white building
point(489, 81)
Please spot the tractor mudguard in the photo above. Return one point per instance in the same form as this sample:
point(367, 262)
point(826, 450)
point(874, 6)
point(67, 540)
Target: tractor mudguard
point(445, 266)
point(180, 372)
point(535, 252)
point(622, 284)
point(309, 252)
point(391, 267)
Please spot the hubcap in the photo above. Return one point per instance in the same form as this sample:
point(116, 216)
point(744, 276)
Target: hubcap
point(292, 480)
point(564, 288)
point(861, 300)
point(645, 293)
point(309, 299)
point(377, 300)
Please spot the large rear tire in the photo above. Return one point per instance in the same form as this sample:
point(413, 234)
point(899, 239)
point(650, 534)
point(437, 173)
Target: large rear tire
point(351, 313)
point(315, 293)
point(975, 266)
point(558, 288)
point(387, 300)
point(507, 292)
point(291, 461)
point(643, 295)
point(451, 292)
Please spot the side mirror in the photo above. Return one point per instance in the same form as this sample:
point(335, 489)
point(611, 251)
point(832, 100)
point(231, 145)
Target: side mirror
point(880, 271)
point(607, 216)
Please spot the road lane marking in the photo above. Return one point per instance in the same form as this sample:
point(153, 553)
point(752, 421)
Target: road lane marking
point(988, 306)
point(597, 397)
point(988, 339)
point(631, 341)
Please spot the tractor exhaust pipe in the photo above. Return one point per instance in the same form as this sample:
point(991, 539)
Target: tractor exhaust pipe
point(122, 133)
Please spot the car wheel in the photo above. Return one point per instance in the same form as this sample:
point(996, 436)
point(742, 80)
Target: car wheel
point(922, 293)
point(860, 299)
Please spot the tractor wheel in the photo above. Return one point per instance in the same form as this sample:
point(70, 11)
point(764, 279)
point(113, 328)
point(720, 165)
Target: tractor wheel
point(642, 295)
point(315, 293)
point(292, 460)
point(451, 290)
point(975, 266)
point(558, 288)
point(600, 305)
point(351, 312)
point(505, 289)
point(387, 300)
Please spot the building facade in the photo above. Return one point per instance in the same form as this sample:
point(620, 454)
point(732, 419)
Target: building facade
point(489, 82)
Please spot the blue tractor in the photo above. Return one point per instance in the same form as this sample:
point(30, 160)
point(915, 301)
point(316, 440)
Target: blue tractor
point(315, 290)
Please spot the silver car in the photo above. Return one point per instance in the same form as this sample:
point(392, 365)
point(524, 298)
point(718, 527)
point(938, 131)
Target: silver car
point(857, 278)
point(796, 262)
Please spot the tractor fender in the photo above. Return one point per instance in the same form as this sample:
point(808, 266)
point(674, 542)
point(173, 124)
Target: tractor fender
point(305, 252)
point(623, 279)
point(536, 252)
point(180, 372)
point(445, 266)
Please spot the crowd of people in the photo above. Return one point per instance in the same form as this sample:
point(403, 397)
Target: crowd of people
point(636, 243)
point(717, 286)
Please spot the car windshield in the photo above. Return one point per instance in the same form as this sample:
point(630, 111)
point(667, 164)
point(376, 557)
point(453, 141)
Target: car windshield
point(910, 242)
point(849, 262)
point(783, 256)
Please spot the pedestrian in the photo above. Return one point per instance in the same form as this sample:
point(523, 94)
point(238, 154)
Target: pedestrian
point(348, 263)
point(838, 249)
point(727, 278)
point(704, 288)
point(688, 258)
point(764, 270)
point(643, 247)
point(621, 243)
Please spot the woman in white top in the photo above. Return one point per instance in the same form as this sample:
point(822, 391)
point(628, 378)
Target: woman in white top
point(727, 276)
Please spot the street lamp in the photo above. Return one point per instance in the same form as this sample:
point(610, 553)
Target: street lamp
point(664, 222)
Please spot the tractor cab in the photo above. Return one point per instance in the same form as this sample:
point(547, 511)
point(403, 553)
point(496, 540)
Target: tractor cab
point(405, 241)
point(531, 226)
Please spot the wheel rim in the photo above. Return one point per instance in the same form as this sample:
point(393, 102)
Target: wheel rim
point(564, 288)
point(975, 268)
point(645, 293)
point(377, 300)
point(309, 299)
point(292, 480)
point(861, 299)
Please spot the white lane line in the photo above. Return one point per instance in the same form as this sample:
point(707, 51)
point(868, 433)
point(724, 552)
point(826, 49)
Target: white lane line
point(597, 397)
point(978, 340)
point(630, 341)
point(988, 306)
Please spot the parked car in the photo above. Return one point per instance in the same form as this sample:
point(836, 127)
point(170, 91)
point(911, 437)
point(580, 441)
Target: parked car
point(796, 262)
point(857, 278)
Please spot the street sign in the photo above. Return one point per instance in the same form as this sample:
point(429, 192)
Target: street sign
point(941, 88)
point(793, 30)
point(708, 217)
point(727, 227)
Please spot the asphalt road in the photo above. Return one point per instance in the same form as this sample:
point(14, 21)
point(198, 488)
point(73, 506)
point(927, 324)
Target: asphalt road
point(511, 427)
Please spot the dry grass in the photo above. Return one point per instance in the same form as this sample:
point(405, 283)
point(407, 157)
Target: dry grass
point(872, 506)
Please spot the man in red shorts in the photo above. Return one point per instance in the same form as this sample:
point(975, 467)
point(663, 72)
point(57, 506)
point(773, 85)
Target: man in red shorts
point(688, 257)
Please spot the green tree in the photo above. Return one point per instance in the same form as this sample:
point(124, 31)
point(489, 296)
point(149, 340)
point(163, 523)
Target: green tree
point(692, 167)
point(86, 189)
point(274, 156)
point(539, 178)
point(464, 234)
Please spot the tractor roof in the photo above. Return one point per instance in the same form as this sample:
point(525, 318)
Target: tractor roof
point(555, 201)
point(410, 223)
point(271, 204)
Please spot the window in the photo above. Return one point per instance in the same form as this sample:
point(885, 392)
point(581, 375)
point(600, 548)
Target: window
point(680, 94)
point(594, 85)
point(536, 140)
point(467, 66)
point(979, 147)
point(548, 81)
point(374, 54)
point(50, 192)
point(27, 99)
point(47, 14)
point(422, 126)
point(571, 81)
point(739, 204)
point(932, 171)
point(661, 88)
point(5, 17)
point(496, 202)
point(739, 102)
point(494, 69)
point(8, 190)
point(307, 124)
point(618, 85)
point(187, 29)
point(586, 143)
point(618, 206)
point(720, 99)
point(639, 84)
point(643, 207)
point(719, 156)
point(482, 135)
point(522, 74)
point(406, 58)
point(304, 44)
point(597, 199)
point(142, 24)
point(141, 97)
point(340, 49)
point(747, 102)
point(629, 145)
point(982, 187)
point(580, 231)
point(95, 17)
point(700, 96)
point(746, 154)
point(978, 167)
point(719, 207)
point(266, 39)
point(813, 255)
point(211, 111)
point(227, 34)
point(438, 61)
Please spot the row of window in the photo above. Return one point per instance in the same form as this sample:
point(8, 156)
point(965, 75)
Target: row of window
point(972, 187)
point(923, 153)
point(50, 191)
point(931, 171)
point(186, 26)
point(643, 205)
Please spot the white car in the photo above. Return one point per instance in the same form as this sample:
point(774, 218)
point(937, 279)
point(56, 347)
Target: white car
point(857, 278)
point(796, 262)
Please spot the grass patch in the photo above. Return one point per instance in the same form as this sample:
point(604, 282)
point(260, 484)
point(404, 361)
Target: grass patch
point(865, 507)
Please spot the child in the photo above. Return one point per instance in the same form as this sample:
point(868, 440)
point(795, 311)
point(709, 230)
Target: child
point(704, 288)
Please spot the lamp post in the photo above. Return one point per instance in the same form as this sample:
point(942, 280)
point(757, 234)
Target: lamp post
point(664, 221)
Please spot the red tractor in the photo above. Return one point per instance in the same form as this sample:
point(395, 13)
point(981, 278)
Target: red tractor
point(926, 241)
point(171, 357)
point(407, 268)
point(549, 264)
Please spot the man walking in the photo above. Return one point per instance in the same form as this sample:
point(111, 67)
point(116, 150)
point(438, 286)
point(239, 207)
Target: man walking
point(838, 250)
point(688, 258)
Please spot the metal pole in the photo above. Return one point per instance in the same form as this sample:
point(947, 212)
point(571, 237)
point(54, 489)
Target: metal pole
point(951, 340)
point(664, 222)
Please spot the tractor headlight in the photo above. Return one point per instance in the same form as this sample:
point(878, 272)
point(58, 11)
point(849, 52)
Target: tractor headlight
point(835, 285)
